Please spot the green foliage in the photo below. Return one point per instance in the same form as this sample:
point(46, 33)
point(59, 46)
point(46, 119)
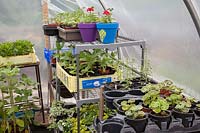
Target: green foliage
point(174, 99)
point(19, 47)
point(58, 110)
point(15, 88)
point(88, 113)
point(150, 96)
point(89, 61)
point(107, 16)
point(89, 17)
point(159, 105)
point(183, 106)
point(131, 110)
point(198, 106)
point(167, 85)
point(69, 19)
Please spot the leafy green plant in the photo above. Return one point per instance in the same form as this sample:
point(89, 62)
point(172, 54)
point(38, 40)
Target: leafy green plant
point(69, 19)
point(19, 47)
point(131, 110)
point(90, 61)
point(89, 16)
point(198, 106)
point(159, 106)
point(183, 106)
point(174, 99)
point(15, 89)
point(150, 97)
point(107, 16)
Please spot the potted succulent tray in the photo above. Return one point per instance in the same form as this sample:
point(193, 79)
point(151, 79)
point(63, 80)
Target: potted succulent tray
point(70, 81)
point(50, 29)
point(22, 52)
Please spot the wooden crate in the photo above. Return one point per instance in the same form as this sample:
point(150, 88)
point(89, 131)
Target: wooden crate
point(18, 60)
point(84, 83)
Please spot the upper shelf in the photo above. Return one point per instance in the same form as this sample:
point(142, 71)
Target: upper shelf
point(111, 46)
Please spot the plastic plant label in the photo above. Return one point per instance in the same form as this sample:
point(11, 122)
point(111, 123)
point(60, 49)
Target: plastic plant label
point(95, 83)
point(102, 34)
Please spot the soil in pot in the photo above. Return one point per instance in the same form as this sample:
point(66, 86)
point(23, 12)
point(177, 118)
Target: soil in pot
point(162, 121)
point(139, 125)
point(111, 95)
point(186, 118)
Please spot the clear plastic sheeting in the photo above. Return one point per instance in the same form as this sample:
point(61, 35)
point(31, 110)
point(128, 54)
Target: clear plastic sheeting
point(57, 6)
point(172, 40)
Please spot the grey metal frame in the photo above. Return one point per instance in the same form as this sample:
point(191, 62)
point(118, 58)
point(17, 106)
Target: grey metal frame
point(194, 14)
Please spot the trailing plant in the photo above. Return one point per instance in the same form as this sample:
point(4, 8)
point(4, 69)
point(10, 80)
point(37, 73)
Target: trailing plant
point(159, 106)
point(15, 89)
point(19, 47)
point(131, 110)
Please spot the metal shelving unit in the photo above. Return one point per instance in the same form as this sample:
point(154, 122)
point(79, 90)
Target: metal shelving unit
point(121, 42)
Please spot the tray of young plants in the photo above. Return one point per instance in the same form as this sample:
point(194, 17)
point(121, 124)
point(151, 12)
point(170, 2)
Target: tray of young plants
point(64, 117)
point(96, 67)
point(163, 108)
point(128, 84)
point(18, 52)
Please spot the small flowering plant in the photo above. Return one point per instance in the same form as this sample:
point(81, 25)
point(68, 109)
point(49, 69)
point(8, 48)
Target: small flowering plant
point(107, 16)
point(89, 16)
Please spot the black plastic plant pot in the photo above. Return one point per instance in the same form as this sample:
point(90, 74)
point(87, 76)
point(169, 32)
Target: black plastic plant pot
point(117, 102)
point(139, 125)
point(186, 118)
point(111, 95)
point(112, 86)
point(197, 111)
point(163, 122)
point(50, 30)
point(136, 92)
point(113, 125)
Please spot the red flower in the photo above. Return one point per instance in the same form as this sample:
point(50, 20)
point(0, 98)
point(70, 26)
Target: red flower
point(90, 9)
point(106, 12)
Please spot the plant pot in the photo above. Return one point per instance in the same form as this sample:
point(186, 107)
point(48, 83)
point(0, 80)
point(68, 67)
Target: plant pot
point(107, 32)
point(117, 102)
point(186, 118)
point(163, 122)
point(111, 95)
point(70, 34)
point(113, 125)
point(64, 92)
point(136, 92)
point(197, 111)
point(139, 125)
point(88, 31)
point(50, 30)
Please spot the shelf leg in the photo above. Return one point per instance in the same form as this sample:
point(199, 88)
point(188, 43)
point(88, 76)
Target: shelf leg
point(37, 70)
point(101, 106)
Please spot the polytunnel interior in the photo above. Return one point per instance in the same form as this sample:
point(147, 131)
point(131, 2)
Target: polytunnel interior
point(167, 27)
